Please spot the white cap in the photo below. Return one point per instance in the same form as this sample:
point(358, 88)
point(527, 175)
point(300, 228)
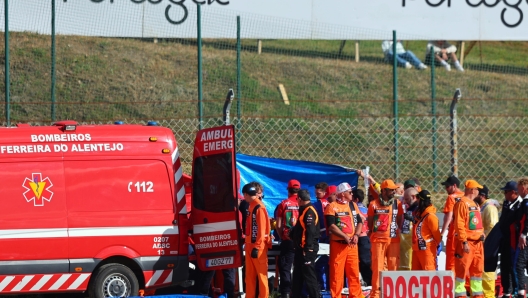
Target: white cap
point(343, 187)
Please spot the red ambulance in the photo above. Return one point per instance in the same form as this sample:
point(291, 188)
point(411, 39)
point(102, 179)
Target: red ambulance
point(97, 208)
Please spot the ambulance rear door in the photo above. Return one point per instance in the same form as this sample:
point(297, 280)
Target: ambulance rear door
point(214, 213)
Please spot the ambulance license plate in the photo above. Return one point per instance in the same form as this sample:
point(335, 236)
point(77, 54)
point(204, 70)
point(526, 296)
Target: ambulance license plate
point(219, 262)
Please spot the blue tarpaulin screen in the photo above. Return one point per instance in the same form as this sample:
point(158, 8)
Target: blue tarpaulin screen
point(274, 175)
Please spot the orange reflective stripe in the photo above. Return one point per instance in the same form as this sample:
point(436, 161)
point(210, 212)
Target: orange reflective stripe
point(301, 220)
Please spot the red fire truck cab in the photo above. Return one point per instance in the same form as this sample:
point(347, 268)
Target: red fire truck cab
point(98, 208)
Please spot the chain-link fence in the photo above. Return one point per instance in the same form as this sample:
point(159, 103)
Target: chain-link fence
point(490, 149)
point(339, 110)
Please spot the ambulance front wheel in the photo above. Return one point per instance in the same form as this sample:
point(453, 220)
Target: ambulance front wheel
point(113, 280)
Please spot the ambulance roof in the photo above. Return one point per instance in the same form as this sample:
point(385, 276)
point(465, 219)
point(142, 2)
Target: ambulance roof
point(67, 137)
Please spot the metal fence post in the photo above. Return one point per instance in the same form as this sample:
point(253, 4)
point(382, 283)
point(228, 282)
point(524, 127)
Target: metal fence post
point(53, 60)
point(395, 105)
point(7, 79)
point(433, 111)
point(199, 45)
point(239, 86)
point(454, 134)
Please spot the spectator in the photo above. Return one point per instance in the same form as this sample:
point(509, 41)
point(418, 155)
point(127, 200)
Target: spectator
point(443, 51)
point(405, 58)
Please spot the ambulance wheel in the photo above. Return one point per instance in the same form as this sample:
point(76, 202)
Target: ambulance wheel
point(113, 280)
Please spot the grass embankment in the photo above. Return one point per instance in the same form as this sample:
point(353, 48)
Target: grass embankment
point(103, 78)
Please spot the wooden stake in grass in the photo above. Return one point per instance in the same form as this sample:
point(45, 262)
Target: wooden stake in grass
point(284, 94)
point(462, 53)
point(357, 51)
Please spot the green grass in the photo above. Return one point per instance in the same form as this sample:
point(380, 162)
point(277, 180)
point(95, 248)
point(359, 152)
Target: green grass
point(320, 81)
point(340, 112)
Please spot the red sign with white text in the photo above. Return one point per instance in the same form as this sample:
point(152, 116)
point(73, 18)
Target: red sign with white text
point(417, 284)
point(214, 213)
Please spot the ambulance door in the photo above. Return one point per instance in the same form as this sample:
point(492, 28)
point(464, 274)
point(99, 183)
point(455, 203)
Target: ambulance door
point(214, 214)
point(120, 206)
point(33, 225)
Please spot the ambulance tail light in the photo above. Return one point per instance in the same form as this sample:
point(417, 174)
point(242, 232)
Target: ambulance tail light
point(165, 151)
point(153, 139)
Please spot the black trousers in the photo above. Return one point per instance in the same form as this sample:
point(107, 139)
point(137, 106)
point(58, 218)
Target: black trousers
point(286, 256)
point(204, 286)
point(322, 269)
point(520, 267)
point(304, 273)
point(507, 267)
point(365, 259)
point(229, 281)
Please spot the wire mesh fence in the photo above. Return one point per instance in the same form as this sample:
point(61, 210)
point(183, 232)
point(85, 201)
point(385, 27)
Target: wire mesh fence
point(340, 91)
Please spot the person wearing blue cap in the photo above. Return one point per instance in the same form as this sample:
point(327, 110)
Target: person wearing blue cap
point(508, 247)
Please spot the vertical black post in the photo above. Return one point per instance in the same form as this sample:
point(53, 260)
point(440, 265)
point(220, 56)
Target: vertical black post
point(239, 85)
point(395, 105)
point(53, 60)
point(200, 90)
point(7, 79)
point(454, 132)
point(433, 111)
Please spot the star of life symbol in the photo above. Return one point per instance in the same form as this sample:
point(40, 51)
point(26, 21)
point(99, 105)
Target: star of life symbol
point(38, 189)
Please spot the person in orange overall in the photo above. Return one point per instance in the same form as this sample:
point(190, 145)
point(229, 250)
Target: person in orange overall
point(448, 235)
point(345, 226)
point(384, 216)
point(426, 234)
point(469, 237)
point(256, 244)
point(490, 216)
